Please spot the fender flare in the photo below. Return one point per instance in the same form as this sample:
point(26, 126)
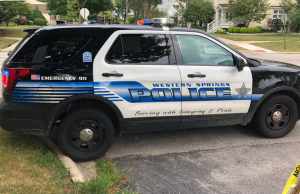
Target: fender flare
point(253, 108)
point(53, 113)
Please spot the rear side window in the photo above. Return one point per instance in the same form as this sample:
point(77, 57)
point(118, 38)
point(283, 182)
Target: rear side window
point(139, 49)
point(55, 48)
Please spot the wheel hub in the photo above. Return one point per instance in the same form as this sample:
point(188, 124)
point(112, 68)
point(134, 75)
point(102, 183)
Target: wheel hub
point(277, 116)
point(86, 134)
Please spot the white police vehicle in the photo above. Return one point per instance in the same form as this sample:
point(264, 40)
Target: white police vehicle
point(87, 83)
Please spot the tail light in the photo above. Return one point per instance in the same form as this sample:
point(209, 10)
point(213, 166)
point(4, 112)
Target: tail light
point(9, 75)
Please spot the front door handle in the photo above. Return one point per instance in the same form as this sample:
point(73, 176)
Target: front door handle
point(196, 75)
point(112, 74)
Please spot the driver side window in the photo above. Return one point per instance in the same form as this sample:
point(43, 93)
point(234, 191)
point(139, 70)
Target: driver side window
point(196, 50)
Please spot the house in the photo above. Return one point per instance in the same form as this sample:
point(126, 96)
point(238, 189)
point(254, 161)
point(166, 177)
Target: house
point(220, 20)
point(42, 7)
point(169, 6)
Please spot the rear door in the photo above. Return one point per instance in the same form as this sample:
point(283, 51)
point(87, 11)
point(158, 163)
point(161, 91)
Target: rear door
point(214, 92)
point(137, 71)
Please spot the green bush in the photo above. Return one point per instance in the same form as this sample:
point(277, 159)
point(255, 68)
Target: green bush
point(230, 29)
point(244, 30)
point(260, 28)
point(30, 23)
point(40, 22)
point(13, 20)
point(250, 30)
point(236, 30)
point(221, 31)
point(36, 14)
point(271, 30)
point(256, 29)
point(18, 20)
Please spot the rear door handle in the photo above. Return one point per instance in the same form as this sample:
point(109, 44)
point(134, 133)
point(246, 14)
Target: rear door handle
point(196, 75)
point(112, 74)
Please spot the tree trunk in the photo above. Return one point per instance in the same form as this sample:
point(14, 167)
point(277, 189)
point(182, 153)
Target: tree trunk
point(126, 11)
point(148, 10)
point(153, 8)
point(145, 9)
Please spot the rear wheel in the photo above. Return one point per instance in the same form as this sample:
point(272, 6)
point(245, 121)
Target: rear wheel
point(277, 116)
point(85, 134)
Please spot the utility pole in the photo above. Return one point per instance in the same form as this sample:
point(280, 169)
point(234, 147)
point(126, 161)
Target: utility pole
point(126, 12)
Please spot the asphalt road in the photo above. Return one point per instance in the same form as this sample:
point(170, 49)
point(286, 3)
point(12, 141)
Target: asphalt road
point(232, 159)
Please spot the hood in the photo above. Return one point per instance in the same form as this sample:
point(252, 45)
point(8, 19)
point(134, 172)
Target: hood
point(278, 66)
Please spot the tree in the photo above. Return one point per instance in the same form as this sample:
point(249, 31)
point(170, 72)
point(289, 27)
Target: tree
point(247, 10)
point(292, 9)
point(158, 14)
point(36, 14)
point(107, 15)
point(63, 7)
point(120, 7)
point(149, 6)
point(137, 8)
point(202, 8)
point(9, 9)
point(57, 7)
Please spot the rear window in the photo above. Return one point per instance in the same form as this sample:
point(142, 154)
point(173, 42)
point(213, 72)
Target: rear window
point(55, 48)
point(139, 49)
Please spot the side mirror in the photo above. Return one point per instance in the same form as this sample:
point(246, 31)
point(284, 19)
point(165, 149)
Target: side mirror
point(240, 64)
point(9, 53)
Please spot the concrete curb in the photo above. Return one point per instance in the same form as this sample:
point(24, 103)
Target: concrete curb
point(76, 174)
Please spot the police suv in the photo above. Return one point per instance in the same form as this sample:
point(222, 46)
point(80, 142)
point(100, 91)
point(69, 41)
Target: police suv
point(87, 83)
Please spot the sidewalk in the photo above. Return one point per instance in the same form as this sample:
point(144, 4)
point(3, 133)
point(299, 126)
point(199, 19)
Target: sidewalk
point(247, 45)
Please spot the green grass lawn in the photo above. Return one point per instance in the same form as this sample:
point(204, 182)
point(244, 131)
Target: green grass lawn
point(4, 42)
point(14, 31)
point(258, 37)
point(27, 165)
point(279, 46)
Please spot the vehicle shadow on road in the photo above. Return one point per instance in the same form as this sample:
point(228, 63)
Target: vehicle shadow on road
point(179, 141)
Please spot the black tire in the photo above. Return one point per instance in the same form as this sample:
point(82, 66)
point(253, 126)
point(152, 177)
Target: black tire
point(264, 119)
point(70, 142)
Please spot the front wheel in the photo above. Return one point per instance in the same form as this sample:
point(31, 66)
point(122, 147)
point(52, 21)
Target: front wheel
point(85, 134)
point(277, 116)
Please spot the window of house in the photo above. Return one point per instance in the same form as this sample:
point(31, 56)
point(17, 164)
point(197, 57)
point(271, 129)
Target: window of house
point(55, 48)
point(278, 14)
point(196, 50)
point(175, 6)
point(139, 49)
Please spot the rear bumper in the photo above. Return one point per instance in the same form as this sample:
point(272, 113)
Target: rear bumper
point(21, 117)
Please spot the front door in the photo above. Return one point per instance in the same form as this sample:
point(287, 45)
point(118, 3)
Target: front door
point(220, 14)
point(137, 71)
point(214, 92)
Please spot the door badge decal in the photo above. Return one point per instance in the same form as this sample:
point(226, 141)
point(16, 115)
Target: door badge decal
point(242, 91)
point(87, 57)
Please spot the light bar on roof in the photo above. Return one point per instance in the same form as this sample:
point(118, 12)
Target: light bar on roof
point(156, 21)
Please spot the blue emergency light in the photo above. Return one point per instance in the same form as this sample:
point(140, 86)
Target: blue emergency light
point(157, 21)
